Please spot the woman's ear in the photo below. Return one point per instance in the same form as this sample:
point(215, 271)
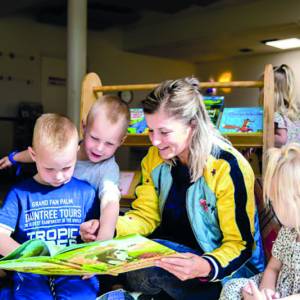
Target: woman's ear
point(32, 153)
point(193, 123)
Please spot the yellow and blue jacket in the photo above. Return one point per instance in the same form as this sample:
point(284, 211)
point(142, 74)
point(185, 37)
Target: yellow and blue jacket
point(220, 207)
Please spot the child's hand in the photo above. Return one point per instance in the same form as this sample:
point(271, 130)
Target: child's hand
point(270, 294)
point(5, 163)
point(251, 292)
point(88, 230)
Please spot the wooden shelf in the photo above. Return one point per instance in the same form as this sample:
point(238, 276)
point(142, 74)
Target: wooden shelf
point(245, 139)
point(126, 199)
point(92, 87)
point(137, 140)
point(237, 139)
point(125, 203)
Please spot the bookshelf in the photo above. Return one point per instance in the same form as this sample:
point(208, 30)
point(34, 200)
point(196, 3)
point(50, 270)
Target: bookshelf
point(92, 87)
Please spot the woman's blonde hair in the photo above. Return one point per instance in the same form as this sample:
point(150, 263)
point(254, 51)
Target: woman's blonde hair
point(282, 180)
point(286, 102)
point(182, 100)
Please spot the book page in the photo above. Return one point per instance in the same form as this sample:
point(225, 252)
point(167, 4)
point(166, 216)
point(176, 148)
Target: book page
point(101, 257)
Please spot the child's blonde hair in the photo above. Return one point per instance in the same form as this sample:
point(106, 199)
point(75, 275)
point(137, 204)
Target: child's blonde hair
point(285, 100)
point(282, 180)
point(115, 109)
point(54, 131)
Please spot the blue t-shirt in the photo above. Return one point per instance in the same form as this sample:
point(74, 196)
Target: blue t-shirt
point(54, 214)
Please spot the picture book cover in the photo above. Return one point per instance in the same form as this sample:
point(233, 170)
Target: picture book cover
point(137, 121)
point(241, 120)
point(214, 106)
point(101, 257)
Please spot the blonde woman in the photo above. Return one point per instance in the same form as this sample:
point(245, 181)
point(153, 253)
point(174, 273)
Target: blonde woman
point(281, 279)
point(196, 197)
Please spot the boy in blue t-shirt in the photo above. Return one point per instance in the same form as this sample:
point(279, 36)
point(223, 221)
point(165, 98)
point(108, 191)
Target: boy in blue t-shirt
point(50, 206)
point(104, 130)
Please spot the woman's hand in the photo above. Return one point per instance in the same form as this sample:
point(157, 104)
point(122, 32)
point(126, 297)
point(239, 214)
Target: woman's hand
point(185, 266)
point(5, 163)
point(89, 230)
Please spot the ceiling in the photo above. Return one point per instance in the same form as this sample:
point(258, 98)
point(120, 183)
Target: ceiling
point(191, 30)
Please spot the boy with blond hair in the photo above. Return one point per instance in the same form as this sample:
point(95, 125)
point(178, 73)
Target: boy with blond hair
point(104, 131)
point(50, 206)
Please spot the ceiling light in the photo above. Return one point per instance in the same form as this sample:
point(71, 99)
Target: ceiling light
point(225, 77)
point(284, 44)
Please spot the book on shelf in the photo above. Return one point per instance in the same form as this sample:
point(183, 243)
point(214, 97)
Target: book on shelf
point(114, 256)
point(137, 124)
point(214, 106)
point(241, 120)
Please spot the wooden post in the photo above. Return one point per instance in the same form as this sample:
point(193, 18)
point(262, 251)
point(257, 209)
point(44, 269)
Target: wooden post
point(268, 133)
point(88, 96)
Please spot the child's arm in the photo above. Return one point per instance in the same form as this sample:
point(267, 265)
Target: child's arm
point(7, 244)
point(22, 157)
point(88, 230)
point(280, 137)
point(270, 276)
point(109, 214)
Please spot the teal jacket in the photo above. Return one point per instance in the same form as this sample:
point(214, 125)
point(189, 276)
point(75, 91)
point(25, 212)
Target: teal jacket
point(220, 206)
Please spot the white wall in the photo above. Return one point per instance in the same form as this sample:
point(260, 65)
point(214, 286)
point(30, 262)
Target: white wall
point(23, 38)
point(47, 44)
point(249, 68)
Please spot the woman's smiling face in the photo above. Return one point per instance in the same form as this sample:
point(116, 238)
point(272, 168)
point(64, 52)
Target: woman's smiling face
point(170, 135)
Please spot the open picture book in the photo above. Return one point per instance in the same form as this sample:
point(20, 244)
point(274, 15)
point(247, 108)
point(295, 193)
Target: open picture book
point(101, 257)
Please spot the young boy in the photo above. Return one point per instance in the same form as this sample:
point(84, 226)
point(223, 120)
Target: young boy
point(50, 206)
point(104, 131)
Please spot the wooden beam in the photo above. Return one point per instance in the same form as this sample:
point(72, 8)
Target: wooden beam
point(150, 86)
point(88, 96)
point(268, 132)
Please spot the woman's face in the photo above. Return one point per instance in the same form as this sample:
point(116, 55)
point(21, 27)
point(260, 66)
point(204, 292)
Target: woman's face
point(171, 136)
